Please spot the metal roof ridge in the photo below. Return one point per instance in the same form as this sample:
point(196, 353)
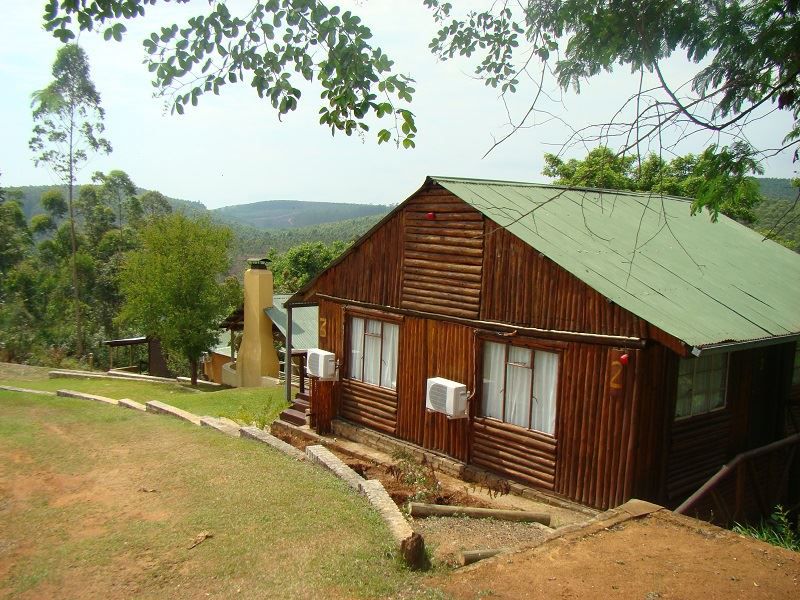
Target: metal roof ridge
point(637, 194)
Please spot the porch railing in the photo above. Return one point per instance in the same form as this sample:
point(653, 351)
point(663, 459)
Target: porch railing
point(299, 374)
point(750, 486)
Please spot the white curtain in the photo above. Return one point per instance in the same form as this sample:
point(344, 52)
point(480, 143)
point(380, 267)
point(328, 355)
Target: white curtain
point(356, 347)
point(494, 364)
point(545, 384)
point(389, 356)
point(372, 353)
point(518, 386)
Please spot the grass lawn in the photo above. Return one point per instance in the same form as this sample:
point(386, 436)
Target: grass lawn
point(102, 502)
point(245, 405)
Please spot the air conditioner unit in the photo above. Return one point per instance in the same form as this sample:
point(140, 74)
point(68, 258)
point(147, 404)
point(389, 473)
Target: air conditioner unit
point(321, 363)
point(447, 397)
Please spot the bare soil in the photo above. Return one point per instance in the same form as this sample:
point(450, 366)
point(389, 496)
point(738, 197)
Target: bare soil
point(662, 556)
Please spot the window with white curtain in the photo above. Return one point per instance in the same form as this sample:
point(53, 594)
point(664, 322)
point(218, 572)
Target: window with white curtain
point(373, 352)
point(519, 386)
point(702, 385)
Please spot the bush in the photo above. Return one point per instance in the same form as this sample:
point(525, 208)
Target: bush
point(777, 530)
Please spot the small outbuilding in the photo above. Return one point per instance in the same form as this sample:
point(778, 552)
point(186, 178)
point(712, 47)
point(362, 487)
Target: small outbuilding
point(612, 345)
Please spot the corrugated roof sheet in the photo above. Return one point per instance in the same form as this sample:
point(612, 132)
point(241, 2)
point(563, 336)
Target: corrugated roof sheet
point(701, 282)
point(304, 322)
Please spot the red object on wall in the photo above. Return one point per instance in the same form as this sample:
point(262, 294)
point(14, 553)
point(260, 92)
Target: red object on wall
point(431, 216)
point(623, 359)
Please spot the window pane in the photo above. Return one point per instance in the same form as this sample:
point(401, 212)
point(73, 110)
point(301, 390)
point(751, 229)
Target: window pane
point(518, 394)
point(494, 363)
point(683, 405)
point(701, 385)
point(545, 383)
point(389, 354)
point(373, 327)
point(356, 347)
point(372, 353)
point(520, 356)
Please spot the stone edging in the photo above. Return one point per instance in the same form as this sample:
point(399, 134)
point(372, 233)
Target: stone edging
point(167, 409)
point(11, 388)
point(409, 542)
point(85, 396)
point(259, 435)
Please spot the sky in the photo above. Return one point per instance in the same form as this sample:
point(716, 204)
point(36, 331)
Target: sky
point(233, 149)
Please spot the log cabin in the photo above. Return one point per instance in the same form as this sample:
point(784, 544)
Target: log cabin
point(613, 345)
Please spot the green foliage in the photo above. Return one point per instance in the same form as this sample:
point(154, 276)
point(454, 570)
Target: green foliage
point(67, 116)
point(777, 530)
point(154, 205)
point(282, 214)
point(298, 265)
point(117, 191)
point(276, 46)
point(745, 54)
point(68, 121)
point(15, 237)
point(171, 284)
point(717, 179)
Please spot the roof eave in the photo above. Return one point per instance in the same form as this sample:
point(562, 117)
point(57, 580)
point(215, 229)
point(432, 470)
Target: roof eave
point(744, 344)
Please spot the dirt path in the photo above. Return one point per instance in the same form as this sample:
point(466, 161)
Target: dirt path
point(661, 556)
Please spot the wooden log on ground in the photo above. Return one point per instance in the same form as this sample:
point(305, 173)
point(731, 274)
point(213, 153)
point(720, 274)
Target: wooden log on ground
point(467, 557)
point(420, 509)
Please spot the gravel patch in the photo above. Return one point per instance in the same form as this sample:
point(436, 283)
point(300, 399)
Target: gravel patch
point(447, 536)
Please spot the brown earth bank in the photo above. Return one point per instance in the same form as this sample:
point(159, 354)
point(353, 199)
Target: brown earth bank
point(659, 556)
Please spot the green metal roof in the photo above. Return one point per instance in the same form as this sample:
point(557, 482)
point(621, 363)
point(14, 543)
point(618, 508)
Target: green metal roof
point(304, 322)
point(703, 283)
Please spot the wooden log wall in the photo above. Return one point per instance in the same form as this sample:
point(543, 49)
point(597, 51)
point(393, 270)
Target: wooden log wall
point(522, 454)
point(594, 425)
point(523, 287)
point(442, 255)
point(371, 271)
point(698, 449)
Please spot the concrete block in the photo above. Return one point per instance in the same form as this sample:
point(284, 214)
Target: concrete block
point(11, 388)
point(259, 435)
point(128, 403)
point(410, 543)
point(155, 406)
point(84, 396)
point(217, 424)
point(323, 457)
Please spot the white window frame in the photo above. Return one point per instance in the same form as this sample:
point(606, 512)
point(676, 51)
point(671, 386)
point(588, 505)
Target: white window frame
point(500, 389)
point(701, 367)
point(387, 372)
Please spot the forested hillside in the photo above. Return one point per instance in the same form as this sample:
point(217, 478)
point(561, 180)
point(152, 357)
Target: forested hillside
point(281, 214)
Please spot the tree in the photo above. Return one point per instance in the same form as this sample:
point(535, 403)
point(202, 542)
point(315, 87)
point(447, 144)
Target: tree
point(154, 205)
point(705, 178)
point(118, 191)
point(298, 265)
point(745, 51)
point(278, 45)
point(172, 286)
point(68, 120)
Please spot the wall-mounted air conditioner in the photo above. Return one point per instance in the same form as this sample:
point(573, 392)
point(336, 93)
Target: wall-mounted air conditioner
point(321, 363)
point(447, 397)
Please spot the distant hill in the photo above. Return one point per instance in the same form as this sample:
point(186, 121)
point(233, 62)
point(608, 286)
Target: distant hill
point(268, 215)
point(777, 189)
point(282, 214)
point(32, 193)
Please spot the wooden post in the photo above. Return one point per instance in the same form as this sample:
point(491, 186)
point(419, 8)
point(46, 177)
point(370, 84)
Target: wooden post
point(287, 357)
point(322, 405)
